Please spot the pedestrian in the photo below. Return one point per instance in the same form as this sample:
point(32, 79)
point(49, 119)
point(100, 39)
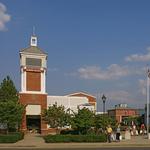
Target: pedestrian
point(109, 132)
point(134, 129)
point(142, 130)
point(118, 133)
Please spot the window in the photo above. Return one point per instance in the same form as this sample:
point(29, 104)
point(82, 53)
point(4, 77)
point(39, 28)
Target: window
point(33, 41)
point(33, 62)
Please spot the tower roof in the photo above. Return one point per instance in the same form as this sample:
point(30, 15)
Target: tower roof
point(33, 50)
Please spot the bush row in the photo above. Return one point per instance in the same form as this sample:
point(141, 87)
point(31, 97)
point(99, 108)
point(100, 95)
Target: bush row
point(72, 132)
point(11, 137)
point(75, 138)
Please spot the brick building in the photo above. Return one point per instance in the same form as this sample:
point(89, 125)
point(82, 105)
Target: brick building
point(33, 66)
point(121, 111)
point(91, 98)
point(33, 90)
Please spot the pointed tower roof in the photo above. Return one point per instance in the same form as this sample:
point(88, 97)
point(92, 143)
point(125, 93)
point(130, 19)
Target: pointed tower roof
point(33, 49)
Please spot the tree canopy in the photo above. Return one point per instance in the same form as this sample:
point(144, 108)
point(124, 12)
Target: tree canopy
point(11, 114)
point(102, 121)
point(56, 116)
point(8, 91)
point(10, 109)
point(83, 120)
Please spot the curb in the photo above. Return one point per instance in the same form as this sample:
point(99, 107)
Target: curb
point(72, 146)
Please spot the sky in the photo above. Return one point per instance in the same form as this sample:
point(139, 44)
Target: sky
point(94, 46)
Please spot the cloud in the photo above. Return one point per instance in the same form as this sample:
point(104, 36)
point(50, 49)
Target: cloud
point(120, 96)
point(4, 17)
point(142, 86)
point(114, 71)
point(139, 57)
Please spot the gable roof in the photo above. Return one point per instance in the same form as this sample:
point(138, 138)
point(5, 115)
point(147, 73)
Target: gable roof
point(33, 50)
point(82, 93)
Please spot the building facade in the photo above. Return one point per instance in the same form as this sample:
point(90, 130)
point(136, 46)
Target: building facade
point(121, 111)
point(33, 66)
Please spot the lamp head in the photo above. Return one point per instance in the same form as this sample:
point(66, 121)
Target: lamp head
point(103, 98)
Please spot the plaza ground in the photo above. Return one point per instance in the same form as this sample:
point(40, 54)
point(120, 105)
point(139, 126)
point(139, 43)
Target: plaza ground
point(33, 141)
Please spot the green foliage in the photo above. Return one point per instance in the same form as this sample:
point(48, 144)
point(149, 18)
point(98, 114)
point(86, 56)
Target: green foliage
point(8, 91)
point(83, 120)
point(11, 138)
point(56, 116)
point(10, 110)
point(11, 114)
point(129, 120)
point(67, 131)
point(102, 121)
point(75, 138)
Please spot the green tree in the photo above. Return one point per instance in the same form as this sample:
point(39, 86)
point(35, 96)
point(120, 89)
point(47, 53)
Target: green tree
point(11, 114)
point(132, 119)
point(83, 120)
point(8, 91)
point(10, 109)
point(56, 116)
point(102, 121)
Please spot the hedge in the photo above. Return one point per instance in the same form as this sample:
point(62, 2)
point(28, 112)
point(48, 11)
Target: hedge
point(11, 137)
point(75, 138)
point(72, 132)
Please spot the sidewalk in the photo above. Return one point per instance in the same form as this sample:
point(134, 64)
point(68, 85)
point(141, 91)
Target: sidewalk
point(36, 141)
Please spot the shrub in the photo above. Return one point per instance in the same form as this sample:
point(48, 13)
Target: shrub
point(72, 132)
point(11, 137)
point(75, 138)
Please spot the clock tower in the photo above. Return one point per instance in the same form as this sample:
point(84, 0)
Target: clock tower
point(33, 66)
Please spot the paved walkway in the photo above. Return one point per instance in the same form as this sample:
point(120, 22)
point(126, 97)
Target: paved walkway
point(36, 141)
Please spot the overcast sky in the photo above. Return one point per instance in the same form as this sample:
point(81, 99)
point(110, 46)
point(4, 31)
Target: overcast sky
point(96, 46)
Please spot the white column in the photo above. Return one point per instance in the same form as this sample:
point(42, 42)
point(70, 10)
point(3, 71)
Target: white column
point(25, 81)
point(22, 80)
point(43, 82)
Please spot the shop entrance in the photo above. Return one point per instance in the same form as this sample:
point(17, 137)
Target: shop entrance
point(33, 123)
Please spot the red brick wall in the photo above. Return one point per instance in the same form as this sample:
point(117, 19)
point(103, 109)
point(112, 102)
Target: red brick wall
point(33, 81)
point(119, 113)
point(38, 99)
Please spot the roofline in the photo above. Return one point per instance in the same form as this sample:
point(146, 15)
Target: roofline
point(45, 54)
point(122, 108)
point(84, 93)
point(21, 51)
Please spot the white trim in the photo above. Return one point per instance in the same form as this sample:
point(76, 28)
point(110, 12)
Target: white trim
point(33, 54)
point(43, 82)
point(73, 94)
point(22, 79)
point(33, 92)
point(25, 81)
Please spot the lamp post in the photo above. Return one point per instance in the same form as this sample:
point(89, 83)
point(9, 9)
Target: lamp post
point(104, 100)
point(147, 110)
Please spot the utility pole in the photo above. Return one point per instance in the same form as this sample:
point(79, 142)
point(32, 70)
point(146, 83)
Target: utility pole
point(147, 114)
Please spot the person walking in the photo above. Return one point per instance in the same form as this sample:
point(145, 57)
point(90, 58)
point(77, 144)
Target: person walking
point(118, 133)
point(142, 130)
point(109, 132)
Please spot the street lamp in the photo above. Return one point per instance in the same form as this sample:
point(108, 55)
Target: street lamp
point(104, 100)
point(147, 115)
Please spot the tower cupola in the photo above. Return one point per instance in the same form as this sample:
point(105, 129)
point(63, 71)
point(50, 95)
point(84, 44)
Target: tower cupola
point(33, 41)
